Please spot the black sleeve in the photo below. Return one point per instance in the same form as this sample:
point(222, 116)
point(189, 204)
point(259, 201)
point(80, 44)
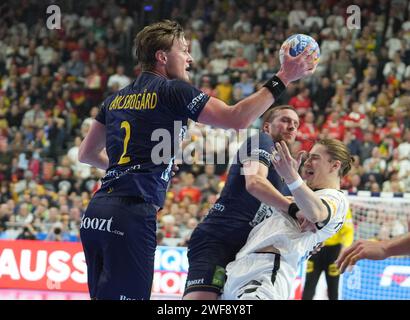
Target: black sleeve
point(186, 100)
point(101, 114)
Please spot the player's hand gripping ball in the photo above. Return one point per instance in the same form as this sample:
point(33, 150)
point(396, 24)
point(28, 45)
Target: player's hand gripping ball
point(298, 43)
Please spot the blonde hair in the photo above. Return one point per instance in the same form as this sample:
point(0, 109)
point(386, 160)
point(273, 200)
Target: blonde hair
point(338, 151)
point(157, 36)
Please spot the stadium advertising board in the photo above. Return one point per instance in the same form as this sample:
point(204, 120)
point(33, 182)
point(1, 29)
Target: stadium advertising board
point(60, 267)
point(378, 280)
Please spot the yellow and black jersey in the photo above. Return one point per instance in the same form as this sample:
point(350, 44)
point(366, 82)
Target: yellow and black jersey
point(345, 235)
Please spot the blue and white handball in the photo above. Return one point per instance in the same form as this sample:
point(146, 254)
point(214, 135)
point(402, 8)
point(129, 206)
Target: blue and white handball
point(298, 43)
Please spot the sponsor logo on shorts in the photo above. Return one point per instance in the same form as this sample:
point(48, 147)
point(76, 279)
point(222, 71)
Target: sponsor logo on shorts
point(122, 297)
point(98, 224)
point(195, 282)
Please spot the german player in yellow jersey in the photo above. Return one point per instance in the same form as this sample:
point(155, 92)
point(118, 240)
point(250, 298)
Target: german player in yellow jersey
point(325, 260)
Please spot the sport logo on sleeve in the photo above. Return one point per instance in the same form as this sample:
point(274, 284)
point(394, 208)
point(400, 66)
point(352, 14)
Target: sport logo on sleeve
point(195, 101)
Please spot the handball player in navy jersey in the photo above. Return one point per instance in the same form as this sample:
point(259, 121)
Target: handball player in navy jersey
point(252, 187)
point(118, 229)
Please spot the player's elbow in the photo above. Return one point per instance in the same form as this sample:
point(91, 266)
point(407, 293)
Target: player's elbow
point(319, 215)
point(83, 156)
point(252, 184)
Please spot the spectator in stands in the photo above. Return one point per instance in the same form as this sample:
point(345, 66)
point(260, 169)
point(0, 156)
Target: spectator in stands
point(239, 62)
point(355, 184)
point(24, 216)
point(208, 181)
point(5, 215)
point(120, 78)
point(189, 190)
point(370, 226)
point(375, 165)
point(168, 227)
point(393, 184)
point(308, 132)
point(302, 102)
point(404, 147)
point(28, 233)
point(245, 85)
point(298, 15)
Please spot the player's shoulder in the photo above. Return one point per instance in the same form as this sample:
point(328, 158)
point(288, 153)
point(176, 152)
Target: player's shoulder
point(258, 139)
point(330, 191)
point(107, 101)
point(333, 194)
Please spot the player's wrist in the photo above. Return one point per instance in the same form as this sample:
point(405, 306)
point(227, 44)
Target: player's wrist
point(294, 184)
point(276, 86)
point(282, 76)
point(387, 247)
point(292, 210)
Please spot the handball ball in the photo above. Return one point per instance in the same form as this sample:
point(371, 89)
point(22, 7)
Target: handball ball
point(298, 43)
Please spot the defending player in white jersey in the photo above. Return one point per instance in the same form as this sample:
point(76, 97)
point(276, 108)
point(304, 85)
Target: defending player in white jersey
point(266, 265)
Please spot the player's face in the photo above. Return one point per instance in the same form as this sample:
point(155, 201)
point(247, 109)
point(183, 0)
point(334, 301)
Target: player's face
point(178, 60)
point(318, 167)
point(285, 126)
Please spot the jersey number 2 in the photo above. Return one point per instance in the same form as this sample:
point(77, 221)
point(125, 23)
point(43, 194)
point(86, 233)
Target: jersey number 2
point(124, 159)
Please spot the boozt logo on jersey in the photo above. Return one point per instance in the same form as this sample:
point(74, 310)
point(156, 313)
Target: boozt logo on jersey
point(398, 274)
point(98, 224)
point(193, 105)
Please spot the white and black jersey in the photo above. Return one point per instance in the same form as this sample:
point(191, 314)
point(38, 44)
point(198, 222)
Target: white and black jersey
point(282, 232)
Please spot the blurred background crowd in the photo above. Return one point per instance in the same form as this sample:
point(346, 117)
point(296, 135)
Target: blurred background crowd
point(52, 82)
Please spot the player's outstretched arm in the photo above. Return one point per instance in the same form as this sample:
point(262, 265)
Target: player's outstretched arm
point(92, 148)
point(373, 250)
point(245, 112)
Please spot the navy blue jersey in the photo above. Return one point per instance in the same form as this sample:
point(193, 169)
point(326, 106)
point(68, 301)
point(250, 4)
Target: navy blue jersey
point(145, 122)
point(237, 211)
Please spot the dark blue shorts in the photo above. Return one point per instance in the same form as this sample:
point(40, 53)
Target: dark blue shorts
point(207, 258)
point(119, 240)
